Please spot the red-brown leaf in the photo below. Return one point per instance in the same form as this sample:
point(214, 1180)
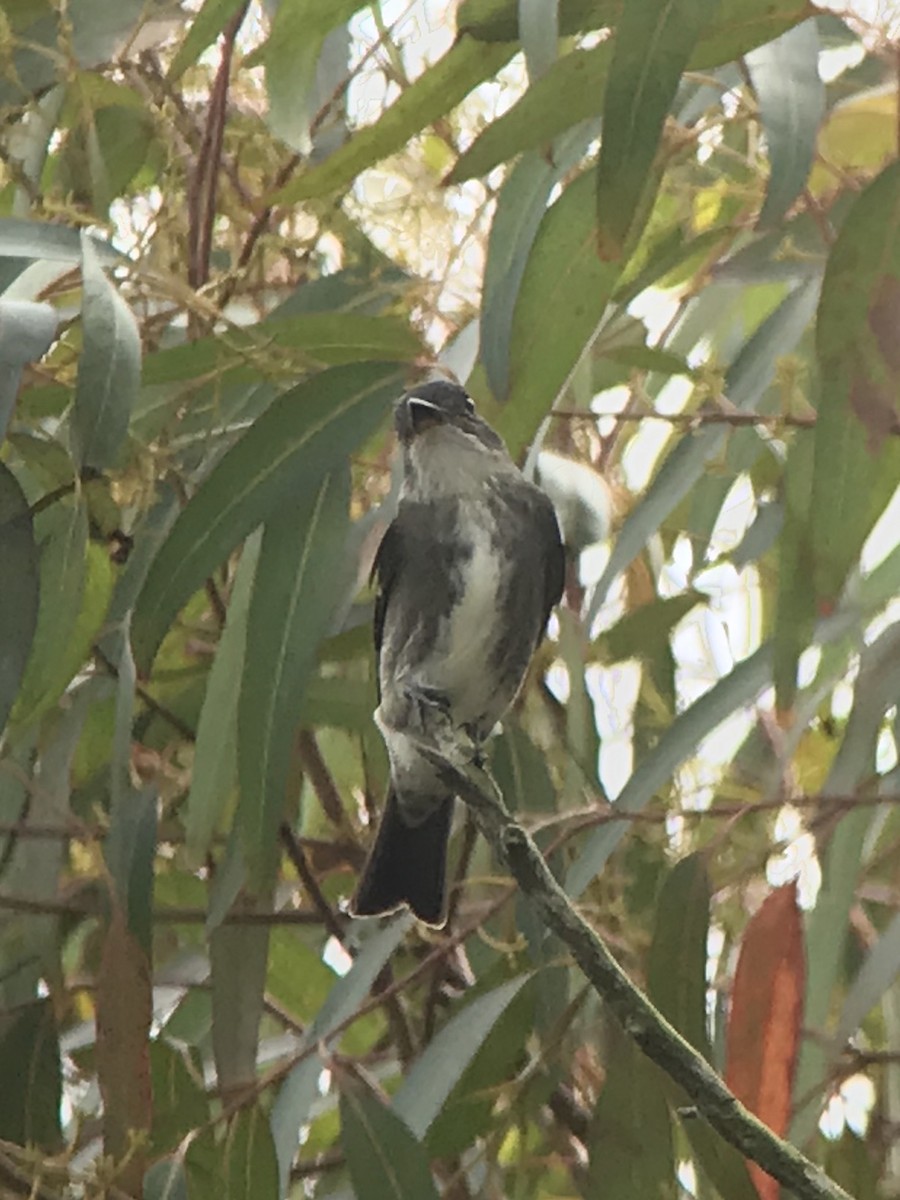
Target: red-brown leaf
point(766, 1015)
point(124, 1013)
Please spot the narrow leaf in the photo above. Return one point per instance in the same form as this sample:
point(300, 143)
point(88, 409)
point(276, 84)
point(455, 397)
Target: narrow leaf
point(630, 1145)
point(32, 1076)
point(299, 438)
point(124, 1012)
point(791, 97)
point(299, 580)
point(251, 1172)
point(570, 91)
point(109, 371)
point(19, 596)
point(439, 89)
point(653, 45)
point(386, 1161)
point(238, 959)
point(26, 332)
point(202, 32)
point(857, 461)
point(676, 968)
point(214, 769)
point(564, 292)
point(433, 1076)
point(766, 1017)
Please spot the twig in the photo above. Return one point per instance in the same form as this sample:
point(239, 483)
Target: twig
point(659, 1040)
point(202, 193)
point(295, 853)
point(703, 416)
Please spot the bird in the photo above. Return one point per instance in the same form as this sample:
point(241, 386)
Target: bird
point(467, 574)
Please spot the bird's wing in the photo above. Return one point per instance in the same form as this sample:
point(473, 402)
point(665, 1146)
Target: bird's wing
point(384, 570)
point(555, 569)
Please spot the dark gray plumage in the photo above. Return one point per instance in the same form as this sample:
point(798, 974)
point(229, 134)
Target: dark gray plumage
point(467, 575)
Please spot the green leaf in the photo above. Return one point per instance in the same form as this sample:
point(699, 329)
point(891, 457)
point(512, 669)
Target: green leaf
point(109, 372)
point(857, 460)
point(876, 689)
point(329, 338)
point(439, 89)
point(32, 1074)
point(676, 983)
point(251, 1172)
point(300, 579)
point(653, 45)
point(747, 379)
point(214, 769)
point(19, 596)
point(520, 209)
point(130, 850)
point(676, 966)
point(166, 1180)
point(630, 1139)
point(795, 612)
point(675, 746)
point(299, 1090)
point(291, 55)
point(434, 1075)
point(238, 958)
point(791, 96)
point(203, 31)
point(563, 295)
point(179, 1099)
point(62, 538)
point(300, 437)
point(638, 633)
point(386, 1161)
point(56, 243)
point(26, 332)
point(570, 91)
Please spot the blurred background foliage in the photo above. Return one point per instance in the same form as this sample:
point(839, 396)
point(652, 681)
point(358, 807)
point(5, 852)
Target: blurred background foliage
point(660, 243)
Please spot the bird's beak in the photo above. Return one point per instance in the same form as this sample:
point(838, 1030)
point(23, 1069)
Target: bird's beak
point(423, 414)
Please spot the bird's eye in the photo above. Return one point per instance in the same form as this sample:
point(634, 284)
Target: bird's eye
point(470, 404)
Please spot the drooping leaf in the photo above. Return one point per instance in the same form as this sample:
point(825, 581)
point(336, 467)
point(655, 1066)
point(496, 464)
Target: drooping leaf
point(238, 956)
point(676, 983)
point(569, 92)
point(386, 1161)
point(439, 89)
point(434, 1075)
point(564, 292)
point(766, 1016)
point(19, 596)
point(206, 26)
point(520, 209)
point(124, 1012)
point(291, 1108)
point(250, 1167)
point(26, 331)
point(130, 851)
point(795, 612)
point(300, 437)
point(875, 691)
point(300, 581)
point(32, 1071)
point(109, 371)
point(857, 460)
point(791, 97)
point(62, 540)
point(214, 771)
point(291, 53)
point(630, 1148)
point(653, 45)
point(747, 379)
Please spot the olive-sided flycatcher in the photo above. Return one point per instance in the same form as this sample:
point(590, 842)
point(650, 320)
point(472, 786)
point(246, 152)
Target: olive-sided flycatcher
point(467, 574)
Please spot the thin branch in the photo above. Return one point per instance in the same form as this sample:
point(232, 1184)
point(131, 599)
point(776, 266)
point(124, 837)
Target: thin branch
point(659, 1040)
point(703, 416)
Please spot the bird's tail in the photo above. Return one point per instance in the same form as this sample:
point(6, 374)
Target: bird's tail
point(407, 865)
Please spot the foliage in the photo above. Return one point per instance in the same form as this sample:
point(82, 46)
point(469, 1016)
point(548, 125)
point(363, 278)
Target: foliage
point(229, 237)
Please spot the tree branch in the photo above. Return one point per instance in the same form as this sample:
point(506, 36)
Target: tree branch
point(659, 1040)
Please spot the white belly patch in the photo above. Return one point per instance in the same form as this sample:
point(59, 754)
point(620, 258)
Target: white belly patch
point(472, 633)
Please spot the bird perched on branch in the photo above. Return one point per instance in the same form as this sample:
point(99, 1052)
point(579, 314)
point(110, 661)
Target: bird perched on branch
point(467, 574)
